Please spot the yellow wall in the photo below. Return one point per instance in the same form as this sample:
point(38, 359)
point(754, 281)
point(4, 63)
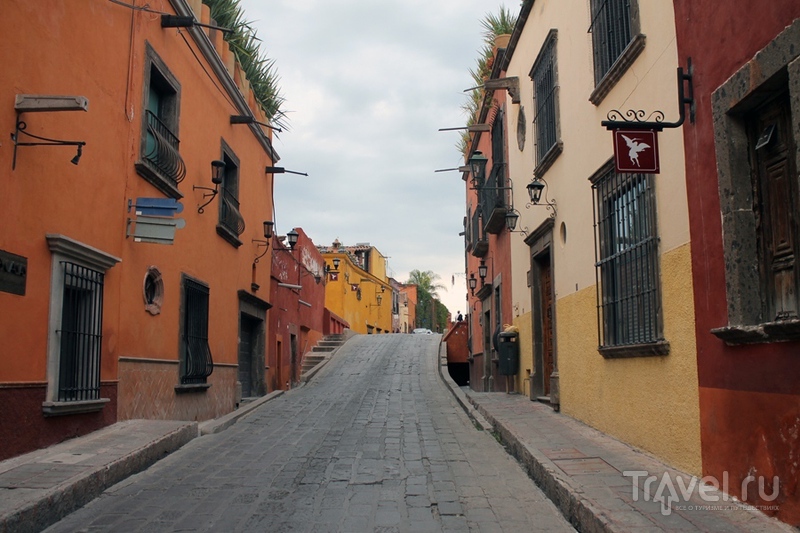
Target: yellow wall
point(523, 322)
point(342, 300)
point(649, 402)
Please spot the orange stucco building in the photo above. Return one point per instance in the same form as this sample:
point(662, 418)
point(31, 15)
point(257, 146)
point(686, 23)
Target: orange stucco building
point(113, 309)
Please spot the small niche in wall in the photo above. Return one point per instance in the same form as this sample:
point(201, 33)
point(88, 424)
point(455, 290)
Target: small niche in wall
point(153, 291)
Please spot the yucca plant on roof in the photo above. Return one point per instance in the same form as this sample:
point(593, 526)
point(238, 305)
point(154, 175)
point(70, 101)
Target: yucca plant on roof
point(260, 70)
point(493, 25)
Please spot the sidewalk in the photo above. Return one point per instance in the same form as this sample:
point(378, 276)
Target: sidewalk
point(581, 470)
point(39, 488)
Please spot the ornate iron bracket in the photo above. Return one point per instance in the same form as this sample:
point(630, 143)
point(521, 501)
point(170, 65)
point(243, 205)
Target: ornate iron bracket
point(641, 120)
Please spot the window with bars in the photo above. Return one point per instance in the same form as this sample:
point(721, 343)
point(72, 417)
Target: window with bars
point(616, 42)
point(545, 90)
point(231, 222)
point(627, 263)
point(611, 33)
point(160, 159)
point(196, 361)
point(80, 333)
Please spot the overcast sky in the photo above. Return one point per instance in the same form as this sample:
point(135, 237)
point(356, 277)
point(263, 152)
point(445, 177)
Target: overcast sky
point(367, 85)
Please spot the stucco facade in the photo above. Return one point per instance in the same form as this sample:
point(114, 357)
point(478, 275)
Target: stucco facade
point(357, 289)
point(555, 280)
point(78, 228)
point(748, 366)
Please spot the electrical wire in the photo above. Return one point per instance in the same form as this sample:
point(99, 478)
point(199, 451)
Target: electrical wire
point(210, 77)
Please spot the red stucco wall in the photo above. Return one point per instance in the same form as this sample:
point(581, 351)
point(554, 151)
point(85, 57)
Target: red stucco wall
point(749, 395)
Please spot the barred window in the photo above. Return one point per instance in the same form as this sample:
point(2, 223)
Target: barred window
point(611, 33)
point(196, 362)
point(545, 120)
point(616, 42)
point(231, 222)
point(627, 267)
point(160, 160)
point(80, 333)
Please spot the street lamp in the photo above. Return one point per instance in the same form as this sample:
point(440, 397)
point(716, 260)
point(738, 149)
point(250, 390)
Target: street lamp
point(477, 165)
point(292, 236)
point(472, 282)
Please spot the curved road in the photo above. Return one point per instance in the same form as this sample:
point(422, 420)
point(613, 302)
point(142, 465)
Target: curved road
point(375, 443)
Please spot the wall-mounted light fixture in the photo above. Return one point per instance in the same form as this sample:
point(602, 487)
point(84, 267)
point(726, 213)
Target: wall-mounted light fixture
point(217, 173)
point(535, 189)
point(267, 238)
point(26, 103)
point(281, 170)
point(483, 270)
point(335, 268)
point(473, 128)
point(472, 282)
point(179, 21)
point(247, 119)
point(477, 166)
point(378, 299)
point(512, 216)
point(292, 237)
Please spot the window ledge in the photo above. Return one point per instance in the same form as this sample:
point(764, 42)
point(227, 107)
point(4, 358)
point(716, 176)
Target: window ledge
point(228, 235)
point(146, 170)
point(548, 159)
point(73, 408)
point(783, 331)
point(649, 349)
point(192, 387)
point(618, 69)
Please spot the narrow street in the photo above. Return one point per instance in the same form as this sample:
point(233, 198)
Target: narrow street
point(375, 442)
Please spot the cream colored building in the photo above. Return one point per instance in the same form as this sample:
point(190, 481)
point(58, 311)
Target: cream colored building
point(625, 362)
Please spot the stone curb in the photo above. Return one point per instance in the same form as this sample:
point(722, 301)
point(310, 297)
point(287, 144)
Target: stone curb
point(476, 417)
point(222, 423)
point(579, 511)
point(58, 502)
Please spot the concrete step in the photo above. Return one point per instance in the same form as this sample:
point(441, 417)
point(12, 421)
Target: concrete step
point(323, 348)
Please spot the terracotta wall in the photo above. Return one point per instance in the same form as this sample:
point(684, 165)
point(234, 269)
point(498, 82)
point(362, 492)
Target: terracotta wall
point(749, 394)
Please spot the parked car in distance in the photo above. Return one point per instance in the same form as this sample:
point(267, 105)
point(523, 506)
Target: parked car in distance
point(422, 331)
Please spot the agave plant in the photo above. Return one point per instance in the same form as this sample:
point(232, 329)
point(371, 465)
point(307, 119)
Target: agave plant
point(260, 70)
point(493, 25)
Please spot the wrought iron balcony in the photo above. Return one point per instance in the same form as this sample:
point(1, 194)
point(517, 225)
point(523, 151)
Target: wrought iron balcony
point(492, 196)
point(229, 216)
point(480, 244)
point(161, 151)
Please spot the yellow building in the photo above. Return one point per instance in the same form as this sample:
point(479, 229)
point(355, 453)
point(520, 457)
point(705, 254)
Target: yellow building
point(601, 265)
point(357, 288)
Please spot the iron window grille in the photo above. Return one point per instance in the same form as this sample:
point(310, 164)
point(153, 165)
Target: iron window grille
point(197, 362)
point(80, 334)
point(161, 150)
point(545, 86)
point(229, 216)
point(611, 33)
point(626, 252)
point(493, 192)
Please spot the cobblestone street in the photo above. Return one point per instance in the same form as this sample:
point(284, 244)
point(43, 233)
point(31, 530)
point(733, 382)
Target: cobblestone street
point(375, 443)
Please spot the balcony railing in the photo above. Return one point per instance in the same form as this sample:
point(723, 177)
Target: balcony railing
point(493, 199)
point(229, 216)
point(161, 150)
point(480, 244)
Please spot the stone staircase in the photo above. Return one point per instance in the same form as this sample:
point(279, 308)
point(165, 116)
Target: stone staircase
point(320, 353)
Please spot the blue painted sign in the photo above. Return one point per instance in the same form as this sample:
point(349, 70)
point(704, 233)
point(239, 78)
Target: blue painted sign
point(157, 207)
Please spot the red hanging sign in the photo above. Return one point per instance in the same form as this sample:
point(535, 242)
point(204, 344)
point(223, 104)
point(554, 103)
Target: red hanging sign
point(636, 151)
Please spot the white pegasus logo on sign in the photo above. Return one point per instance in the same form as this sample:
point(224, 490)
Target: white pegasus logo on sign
point(634, 147)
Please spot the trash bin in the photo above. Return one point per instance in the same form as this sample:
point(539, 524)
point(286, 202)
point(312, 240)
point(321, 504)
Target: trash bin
point(508, 353)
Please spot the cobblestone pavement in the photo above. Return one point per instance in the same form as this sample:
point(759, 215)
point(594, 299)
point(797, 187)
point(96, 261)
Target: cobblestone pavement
point(375, 443)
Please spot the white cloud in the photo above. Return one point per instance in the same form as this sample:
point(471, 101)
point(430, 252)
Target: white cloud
point(367, 85)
